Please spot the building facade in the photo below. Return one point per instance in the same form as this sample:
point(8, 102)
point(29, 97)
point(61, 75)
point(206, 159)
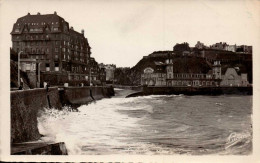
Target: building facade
point(163, 75)
point(57, 48)
point(200, 45)
point(232, 48)
point(110, 72)
point(232, 78)
point(219, 46)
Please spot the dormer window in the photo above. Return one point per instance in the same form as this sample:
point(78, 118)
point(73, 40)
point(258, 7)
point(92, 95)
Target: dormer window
point(55, 29)
point(17, 30)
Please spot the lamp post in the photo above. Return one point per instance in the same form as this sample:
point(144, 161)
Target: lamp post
point(19, 68)
point(39, 71)
point(90, 76)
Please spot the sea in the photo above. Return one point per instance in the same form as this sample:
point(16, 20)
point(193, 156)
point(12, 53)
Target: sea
point(153, 125)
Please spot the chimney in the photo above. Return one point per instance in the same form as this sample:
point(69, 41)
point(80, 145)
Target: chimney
point(38, 13)
point(72, 28)
point(82, 31)
point(28, 13)
point(55, 13)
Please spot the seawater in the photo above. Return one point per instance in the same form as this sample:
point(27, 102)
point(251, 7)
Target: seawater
point(154, 125)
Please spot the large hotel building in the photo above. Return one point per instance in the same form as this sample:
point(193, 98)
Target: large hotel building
point(61, 52)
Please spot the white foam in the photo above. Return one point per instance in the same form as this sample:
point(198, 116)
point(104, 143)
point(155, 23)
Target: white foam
point(94, 123)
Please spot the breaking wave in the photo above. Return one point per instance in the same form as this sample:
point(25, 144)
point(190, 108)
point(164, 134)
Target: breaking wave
point(157, 124)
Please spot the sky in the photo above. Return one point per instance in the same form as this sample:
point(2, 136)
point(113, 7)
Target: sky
point(122, 32)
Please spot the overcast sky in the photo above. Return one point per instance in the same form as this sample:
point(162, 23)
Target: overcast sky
point(122, 32)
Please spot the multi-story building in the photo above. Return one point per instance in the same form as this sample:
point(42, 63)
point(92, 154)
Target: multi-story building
point(200, 45)
point(244, 49)
point(234, 78)
point(232, 48)
point(102, 73)
point(94, 69)
point(60, 51)
point(110, 71)
point(219, 46)
point(163, 75)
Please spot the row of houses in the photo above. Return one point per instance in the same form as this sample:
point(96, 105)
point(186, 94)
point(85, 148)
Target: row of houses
point(163, 75)
point(46, 44)
point(226, 47)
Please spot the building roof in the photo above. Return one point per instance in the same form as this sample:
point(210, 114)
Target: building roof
point(39, 21)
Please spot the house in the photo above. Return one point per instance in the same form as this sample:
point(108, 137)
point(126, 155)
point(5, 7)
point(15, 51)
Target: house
point(232, 78)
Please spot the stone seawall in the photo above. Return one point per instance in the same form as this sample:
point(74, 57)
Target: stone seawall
point(136, 88)
point(24, 111)
point(198, 90)
point(25, 106)
point(76, 95)
point(84, 95)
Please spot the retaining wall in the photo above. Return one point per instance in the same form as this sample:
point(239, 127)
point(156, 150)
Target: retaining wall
point(76, 95)
point(24, 111)
point(84, 95)
point(136, 88)
point(97, 93)
point(25, 106)
point(198, 90)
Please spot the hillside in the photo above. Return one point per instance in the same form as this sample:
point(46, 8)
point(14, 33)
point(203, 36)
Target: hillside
point(181, 64)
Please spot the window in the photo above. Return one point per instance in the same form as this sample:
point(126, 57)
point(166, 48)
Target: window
point(56, 66)
point(47, 50)
point(47, 65)
point(17, 30)
point(56, 50)
point(55, 29)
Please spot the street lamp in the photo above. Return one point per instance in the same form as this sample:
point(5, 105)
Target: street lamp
point(19, 68)
point(39, 71)
point(90, 76)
